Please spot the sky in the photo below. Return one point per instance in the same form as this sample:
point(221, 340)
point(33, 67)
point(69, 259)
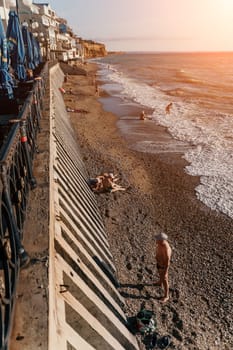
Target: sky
point(151, 25)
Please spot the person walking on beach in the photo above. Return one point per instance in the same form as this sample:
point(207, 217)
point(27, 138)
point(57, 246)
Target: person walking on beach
point(168, 108)
point(163, 257)
point(97, 92)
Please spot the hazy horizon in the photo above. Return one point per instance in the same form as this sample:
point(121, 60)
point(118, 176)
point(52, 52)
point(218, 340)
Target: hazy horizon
point(152, 25)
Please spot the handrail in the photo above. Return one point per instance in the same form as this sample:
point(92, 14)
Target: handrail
point(16, 179)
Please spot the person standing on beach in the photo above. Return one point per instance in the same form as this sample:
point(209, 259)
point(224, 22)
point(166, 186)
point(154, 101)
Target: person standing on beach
point(163, 257)
point(96, 90)
point(142, 115)
point(168, 108)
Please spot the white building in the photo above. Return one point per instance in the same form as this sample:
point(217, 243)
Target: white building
point(56, 38)
point(41, 19)
point(4, 11)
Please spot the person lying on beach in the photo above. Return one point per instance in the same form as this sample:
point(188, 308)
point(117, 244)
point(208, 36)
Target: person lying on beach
point(163, 257)
point(109, 183)
point(95, 183)
point(68, 109)
point(105, 183)
point(168, 108)
point(63, 91)
point(99, 183)
point(69, 92)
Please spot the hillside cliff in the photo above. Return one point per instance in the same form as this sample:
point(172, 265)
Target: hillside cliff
point(94, 49)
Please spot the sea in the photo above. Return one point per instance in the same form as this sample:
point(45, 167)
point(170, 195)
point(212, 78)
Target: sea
point(200, 122)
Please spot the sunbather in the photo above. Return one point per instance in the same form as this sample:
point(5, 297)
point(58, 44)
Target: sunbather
point(95, 184)
point(105, 183)
point(74, 110)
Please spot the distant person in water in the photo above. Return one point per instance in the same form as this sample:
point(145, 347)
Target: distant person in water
point(163, 257)
point(142, 115)
point(168, 108)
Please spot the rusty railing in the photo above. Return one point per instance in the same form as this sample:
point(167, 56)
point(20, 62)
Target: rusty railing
point(18, 146)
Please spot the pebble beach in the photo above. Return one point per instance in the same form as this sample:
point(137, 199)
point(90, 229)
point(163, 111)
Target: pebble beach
point(160, 196)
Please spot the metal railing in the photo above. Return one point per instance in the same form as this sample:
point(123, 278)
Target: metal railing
point(18, 147)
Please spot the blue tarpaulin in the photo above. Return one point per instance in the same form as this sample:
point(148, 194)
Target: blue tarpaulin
point(16, 46)
point(6, 82)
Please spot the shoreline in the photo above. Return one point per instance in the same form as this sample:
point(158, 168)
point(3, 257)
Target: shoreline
point(161, 197)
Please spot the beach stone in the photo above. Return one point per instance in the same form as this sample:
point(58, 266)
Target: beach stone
point(129, 266)
point(162, 198)
point(177, 334)
point(149, 271)
point(139, 276)
point(179, 325)
point(107, 213)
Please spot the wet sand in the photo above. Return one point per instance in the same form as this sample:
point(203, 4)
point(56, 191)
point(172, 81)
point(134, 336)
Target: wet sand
point(160, 197)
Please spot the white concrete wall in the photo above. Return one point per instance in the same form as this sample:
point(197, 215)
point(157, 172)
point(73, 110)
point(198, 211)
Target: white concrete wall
point(85, 305)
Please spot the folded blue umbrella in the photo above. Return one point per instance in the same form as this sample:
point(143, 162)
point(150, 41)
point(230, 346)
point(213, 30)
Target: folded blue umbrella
point(6, 82)
point(28, 48)
point(16, 46)
point(36, 50)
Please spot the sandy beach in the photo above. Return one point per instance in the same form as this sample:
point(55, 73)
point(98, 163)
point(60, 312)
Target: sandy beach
point(160, 196)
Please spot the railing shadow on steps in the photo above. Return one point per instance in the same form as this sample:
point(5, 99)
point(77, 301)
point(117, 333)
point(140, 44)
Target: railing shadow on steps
point(18, 147)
